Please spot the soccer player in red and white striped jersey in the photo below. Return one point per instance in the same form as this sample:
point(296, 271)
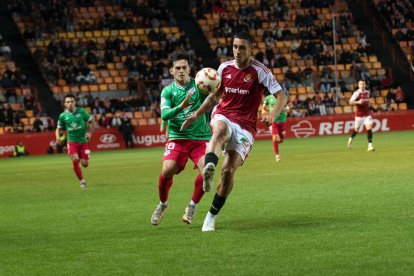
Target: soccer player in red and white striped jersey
point(360, 98)
point(234, 119)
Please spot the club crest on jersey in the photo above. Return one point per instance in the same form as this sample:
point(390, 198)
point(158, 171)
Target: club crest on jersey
point(228, 76)
point(77, 115)
point(191, 90)
point(247, 78)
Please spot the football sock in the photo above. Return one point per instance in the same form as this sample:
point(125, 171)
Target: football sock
point(164, 185)
point(211, 158)
point(217, 204)
point(276, 147)
point(369, 136)
point(77, 169)
point(354, 133)
point(192, 203)
point(198, 189)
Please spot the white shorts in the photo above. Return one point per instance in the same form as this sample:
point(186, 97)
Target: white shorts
point(363, 121)
point(240, 139)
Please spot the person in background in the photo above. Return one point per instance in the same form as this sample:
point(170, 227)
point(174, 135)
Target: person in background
point(363, 117)
point(20, 150)
point(79, 126)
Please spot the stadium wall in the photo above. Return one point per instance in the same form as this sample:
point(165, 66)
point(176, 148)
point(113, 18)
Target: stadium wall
point(150, 136)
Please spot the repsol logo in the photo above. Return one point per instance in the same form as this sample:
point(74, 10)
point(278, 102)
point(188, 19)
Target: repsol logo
point(149, 140)
point(6, 149)
point(342, 127)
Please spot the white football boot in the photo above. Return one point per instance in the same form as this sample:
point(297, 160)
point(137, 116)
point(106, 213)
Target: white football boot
point(158, 214)
point(208, 174)
point(189, 214)
point(209, 223)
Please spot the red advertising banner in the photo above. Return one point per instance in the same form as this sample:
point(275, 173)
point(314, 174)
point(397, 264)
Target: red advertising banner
point(340, 124)
point(150, 136)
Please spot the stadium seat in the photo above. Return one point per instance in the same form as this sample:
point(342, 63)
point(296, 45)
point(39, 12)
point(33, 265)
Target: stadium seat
point(147, 114)
point(402, 106)
point(338, 110)
point(138, 115)
point(142, 122)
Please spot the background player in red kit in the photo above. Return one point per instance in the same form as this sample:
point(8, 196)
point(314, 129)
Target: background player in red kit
point(234, 119)
point(360, 98)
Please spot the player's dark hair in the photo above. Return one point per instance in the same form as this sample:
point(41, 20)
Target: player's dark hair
point(69, 96)
point(244, 35)
point(177, 55)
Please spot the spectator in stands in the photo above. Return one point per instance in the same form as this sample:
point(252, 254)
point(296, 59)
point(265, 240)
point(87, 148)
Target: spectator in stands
point(37, 124)
point(399, 95)
point(391, 96)
point(107, 106)
point(11, 95)
point(28, 101)
point(116, 120)
point(97, 108)
point(20, 150)
point(365, 74)
point(5, 50)
point(2, 115)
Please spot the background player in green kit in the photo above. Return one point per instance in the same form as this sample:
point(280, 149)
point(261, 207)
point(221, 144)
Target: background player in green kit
point(179, 100)
point(278, 127)
point(79, 126)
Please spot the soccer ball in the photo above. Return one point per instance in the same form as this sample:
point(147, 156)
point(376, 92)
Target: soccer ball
point(207, 80)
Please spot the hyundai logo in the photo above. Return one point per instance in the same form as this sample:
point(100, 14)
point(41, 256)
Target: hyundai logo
point(107, 138)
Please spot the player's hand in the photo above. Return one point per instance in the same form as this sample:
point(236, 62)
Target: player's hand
point(266, 120)
point(58, 141)
point(186, 101)
point(88, 136)
point(189, 121)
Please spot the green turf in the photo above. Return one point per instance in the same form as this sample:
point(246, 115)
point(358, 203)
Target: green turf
point(323, 210)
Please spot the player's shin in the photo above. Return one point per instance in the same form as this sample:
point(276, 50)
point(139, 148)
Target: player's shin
point(77, 169)
point(217, 204)
point(369, 136)
point(164, 185)
point(198, 189)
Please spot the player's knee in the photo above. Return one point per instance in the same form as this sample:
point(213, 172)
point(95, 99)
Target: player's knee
point(74, 157)
point(220, 130)
point(227, 174)
point(169, 172)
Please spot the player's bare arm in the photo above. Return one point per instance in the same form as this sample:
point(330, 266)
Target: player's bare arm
point(57, 135)
point(186, 102)
point(207, 105)
point(280, 105)
point(90, 128)
point(265, 111)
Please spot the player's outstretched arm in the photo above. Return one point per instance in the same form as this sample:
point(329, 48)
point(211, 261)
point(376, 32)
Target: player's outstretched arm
point(280, 105)
point(186, 102)
point(207, 105)
point(91, 128)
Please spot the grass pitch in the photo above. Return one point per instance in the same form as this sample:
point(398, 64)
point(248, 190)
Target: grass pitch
point(323, 210)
